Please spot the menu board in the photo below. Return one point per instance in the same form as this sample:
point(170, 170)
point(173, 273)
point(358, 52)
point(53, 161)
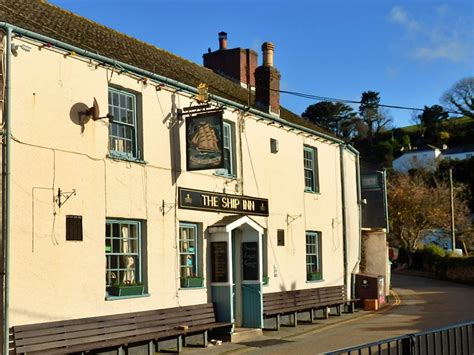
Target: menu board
point(219, 260)
point(250, 260)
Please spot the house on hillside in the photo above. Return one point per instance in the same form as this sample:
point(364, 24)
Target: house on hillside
point(125, 165)
point(459, 153)
point(429, 156)
point(425, 157)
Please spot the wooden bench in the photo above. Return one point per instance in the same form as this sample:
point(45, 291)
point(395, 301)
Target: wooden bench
point(115, 331)
point(276, 304)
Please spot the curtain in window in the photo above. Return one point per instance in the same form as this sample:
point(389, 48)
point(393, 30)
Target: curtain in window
point(127, 260)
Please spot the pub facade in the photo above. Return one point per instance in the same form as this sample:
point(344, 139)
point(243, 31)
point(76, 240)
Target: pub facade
point(138, 180)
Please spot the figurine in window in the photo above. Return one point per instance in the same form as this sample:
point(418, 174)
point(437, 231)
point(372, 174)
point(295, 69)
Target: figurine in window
point(129, 274)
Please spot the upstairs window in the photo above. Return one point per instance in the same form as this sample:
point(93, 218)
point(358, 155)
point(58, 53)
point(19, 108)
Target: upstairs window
point(310, 161)
point(229, 156)
point(123, 130)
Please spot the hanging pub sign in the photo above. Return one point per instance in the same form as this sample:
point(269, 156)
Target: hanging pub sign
point(204, 141)
point(215, 202)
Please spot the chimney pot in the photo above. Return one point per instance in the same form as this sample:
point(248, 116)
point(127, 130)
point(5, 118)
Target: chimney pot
point(267, 49)
point(222, 40)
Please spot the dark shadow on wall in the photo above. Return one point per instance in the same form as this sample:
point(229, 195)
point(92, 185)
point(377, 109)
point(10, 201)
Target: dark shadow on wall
point(174, 124)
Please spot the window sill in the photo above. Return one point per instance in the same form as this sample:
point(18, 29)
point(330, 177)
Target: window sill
point(124, 158)
point(226, 176)
point(314, 281)
point(116, 298)
point(312, 192)
point(192, 288)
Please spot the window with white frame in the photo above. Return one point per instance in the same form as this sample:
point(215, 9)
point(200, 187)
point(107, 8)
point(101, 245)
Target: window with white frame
point(123, 129)
point(123, 243)
point(310, 161)
point(229, 155)
point(189, 255)
point(313, 256)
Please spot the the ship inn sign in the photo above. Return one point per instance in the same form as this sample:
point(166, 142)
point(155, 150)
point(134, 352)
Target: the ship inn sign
point(204, 142)
point(216, 202)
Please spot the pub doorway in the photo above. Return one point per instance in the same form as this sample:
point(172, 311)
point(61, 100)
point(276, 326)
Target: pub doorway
point(236, 271)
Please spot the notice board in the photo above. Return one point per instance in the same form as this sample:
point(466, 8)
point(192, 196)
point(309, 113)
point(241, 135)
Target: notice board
point(250, 260)
point(219, 262)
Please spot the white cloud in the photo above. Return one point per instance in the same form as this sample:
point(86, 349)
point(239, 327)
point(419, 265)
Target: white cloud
point(437, 36)
point(454, 51)
point(399, 15)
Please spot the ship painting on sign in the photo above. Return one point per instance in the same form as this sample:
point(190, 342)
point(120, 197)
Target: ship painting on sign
point(205, 139)
point(204, 144)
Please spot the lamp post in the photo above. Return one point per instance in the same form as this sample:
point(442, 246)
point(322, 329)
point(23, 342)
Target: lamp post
point(453, 235)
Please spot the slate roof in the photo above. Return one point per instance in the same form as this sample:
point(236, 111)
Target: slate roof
point(458, 150)
point(44, 18)
point(424, 148)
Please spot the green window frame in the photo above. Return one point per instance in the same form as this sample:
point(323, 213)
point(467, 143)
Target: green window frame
point(123, 252)
point(228, 152)
point(313, 256)
point(189, 255)
point(123, 129)
point(310, 162)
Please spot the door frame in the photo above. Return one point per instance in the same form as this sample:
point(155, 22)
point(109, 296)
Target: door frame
point(222, 292)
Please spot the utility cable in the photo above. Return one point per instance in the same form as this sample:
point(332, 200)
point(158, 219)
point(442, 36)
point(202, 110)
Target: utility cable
point(332, 99)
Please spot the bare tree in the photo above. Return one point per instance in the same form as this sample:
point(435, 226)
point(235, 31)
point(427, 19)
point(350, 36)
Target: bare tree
point(461, 97)
point(418, 203)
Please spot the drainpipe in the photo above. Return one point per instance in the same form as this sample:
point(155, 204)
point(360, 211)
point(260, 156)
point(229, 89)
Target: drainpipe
point(7, 198)
point(359, 211)
point(344, 219)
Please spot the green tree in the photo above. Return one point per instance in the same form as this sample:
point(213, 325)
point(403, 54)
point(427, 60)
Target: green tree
point(461, 97)
point(333, 116)
point(384, 153)
point(431, 119)
point(463, 172)
point(405, 141)
point(372, 116)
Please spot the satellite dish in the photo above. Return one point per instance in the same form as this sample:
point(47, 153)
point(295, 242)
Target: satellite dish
point(94, 112)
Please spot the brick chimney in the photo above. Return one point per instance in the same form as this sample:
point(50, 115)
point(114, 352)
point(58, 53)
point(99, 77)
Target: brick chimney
point(222, 40)
point(267, 82)
point(237, 64)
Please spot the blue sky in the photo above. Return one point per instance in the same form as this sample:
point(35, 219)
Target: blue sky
point(409, 51)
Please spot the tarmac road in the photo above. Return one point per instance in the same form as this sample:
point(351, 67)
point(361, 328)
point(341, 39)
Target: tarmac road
point(419, 304)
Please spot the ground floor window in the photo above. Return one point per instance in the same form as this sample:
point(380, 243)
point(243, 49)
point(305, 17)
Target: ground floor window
point(123, 243)
point(313, 256)
point(190, 255)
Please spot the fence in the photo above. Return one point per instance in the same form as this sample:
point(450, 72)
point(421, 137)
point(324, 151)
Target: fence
point(453, 340)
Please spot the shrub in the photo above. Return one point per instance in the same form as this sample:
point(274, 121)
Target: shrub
point(430, 257)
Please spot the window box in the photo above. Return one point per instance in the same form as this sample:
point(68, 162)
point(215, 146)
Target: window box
point(315, 276)
point(194, 281)
point(265, 280)
point(126, 290)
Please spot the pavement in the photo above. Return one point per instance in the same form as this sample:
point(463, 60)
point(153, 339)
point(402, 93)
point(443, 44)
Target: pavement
point(288, 335)
point(415, 304)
